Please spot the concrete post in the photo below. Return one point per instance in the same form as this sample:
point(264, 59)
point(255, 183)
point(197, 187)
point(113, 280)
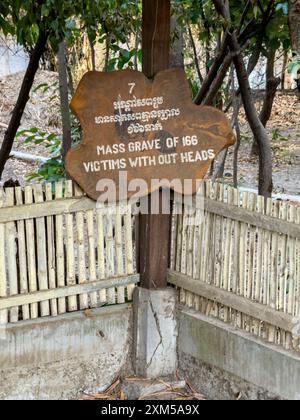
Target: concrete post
point(155, 332)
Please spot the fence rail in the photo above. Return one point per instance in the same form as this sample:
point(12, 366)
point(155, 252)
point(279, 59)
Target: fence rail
point(59, 253)
point(240, 262)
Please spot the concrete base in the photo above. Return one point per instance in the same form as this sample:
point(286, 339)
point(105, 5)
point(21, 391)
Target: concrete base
point(155, 332)
point(225, 363)
point(63, 357)
point(146, 389)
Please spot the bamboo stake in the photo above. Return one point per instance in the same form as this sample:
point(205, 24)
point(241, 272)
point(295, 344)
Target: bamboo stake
point(101, 256)
point(60, 254)
point(110, 255)
point(11, 235)
point(3, 276)
point(82, 278)
point(92, 254)
point(31, 257)
point(22, 255)
point(41, 251)
point(51, 251)
point(119, 253)
point(129, 248)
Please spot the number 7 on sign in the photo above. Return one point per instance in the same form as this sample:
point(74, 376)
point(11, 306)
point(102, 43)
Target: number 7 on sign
point(131, 87)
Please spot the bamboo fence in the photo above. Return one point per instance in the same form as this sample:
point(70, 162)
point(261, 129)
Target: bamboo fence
point(238, 260)
point(60, 253)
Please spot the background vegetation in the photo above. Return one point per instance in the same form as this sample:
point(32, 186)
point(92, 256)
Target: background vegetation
point(219, 42)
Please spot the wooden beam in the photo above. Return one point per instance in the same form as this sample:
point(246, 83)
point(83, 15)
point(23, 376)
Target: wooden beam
point(239, 303)
point(154, 242)
point(154, 230)
point(252, 218)
point(74, 205)
point(156, 36)
point(48, 208)
point(61, 292)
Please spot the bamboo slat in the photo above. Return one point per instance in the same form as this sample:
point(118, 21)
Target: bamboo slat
point(110, 255)
point(31, 255)
point(11, 238)
point(101, 253)
point(92, 254)
point(246, 249)
point(82, 274)
point(51, 250)
point(22, 255)
point(42, 266)
point(3, 275)
point(70, 252)
point(129, 248)
point(119, 253)
point(54, 240)
point(60, 249)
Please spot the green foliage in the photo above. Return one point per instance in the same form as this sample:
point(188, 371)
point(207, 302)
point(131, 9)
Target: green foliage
point(65, 19)
point(294, 65)
point(277, 136)
point(26, 19)
point(53, 169)
point(122, 58)
point(114, 23)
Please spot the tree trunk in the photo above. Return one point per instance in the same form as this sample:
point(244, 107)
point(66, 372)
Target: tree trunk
point(271, 88)
point(200, 77)
point(259, 131)
point(294, 24)
point(284, 67)
point(219, 172)
point(212, 73)
point(22, 100)
point(272, 84)
point(93, 54)
point(252, 63)
point(137, 43)
point(107, 53)
point(236, 153)
point(217, 83)
point(235, 124)
point(177, 45)
point(64, 100)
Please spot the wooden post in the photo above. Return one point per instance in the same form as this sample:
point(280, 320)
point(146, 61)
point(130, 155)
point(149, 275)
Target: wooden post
point(155, 230)
point(156, 36)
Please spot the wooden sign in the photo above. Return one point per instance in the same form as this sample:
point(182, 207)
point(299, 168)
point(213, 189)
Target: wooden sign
point(146, 129)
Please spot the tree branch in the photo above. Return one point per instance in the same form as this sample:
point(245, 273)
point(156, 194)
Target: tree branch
point(218, 81)
point(22, 100)
point(212, 72)
point(259, 131)
point(195, 54)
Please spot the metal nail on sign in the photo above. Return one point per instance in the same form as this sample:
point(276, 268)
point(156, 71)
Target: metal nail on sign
point(146, 129)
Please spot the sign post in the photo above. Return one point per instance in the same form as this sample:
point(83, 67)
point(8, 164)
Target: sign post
point(154, 231)
point(143, 137)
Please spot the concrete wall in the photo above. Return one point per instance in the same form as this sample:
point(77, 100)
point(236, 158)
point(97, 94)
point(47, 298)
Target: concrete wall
point(13, 58)
point(225, 363)
point(60, 358)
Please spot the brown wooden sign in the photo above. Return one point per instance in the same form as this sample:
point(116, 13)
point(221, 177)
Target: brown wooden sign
point(146, 129)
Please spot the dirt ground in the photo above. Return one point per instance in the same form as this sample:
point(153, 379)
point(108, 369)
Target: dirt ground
point(284, 133)
point(43, 112)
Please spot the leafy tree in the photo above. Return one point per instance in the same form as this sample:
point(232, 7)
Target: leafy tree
point(34, 24)
point(294, 25)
